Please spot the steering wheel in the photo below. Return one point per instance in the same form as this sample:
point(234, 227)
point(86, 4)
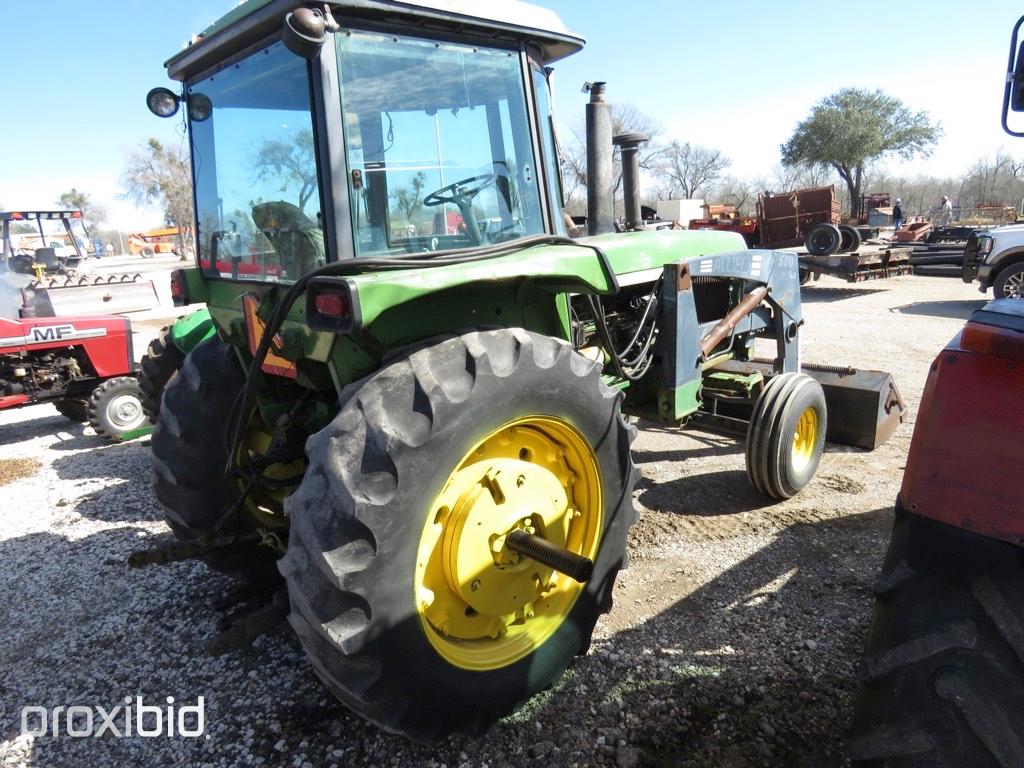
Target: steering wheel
point(462, 191)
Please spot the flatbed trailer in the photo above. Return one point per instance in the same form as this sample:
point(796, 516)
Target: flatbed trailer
point(870, 261)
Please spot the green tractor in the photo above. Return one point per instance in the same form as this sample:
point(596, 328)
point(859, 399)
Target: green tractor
point(409, 397)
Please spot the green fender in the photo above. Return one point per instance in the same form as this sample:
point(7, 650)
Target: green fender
point(188, 331)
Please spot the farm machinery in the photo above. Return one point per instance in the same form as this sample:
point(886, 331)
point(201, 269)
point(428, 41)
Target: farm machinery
point(411, 438)
point(812, 218)
point(943, 672)
point(83, 365)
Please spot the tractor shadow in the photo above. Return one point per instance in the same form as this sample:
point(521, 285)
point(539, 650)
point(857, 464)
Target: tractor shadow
point(128, 499)
point(68, 435)
point(710, 494)
point(725, 675)
point(954, 309)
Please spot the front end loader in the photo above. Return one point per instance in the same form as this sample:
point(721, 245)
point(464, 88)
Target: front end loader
point(411, 405)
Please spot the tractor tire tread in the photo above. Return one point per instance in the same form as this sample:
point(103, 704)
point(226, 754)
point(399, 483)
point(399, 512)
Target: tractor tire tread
point(343, 536)
point(943, 674)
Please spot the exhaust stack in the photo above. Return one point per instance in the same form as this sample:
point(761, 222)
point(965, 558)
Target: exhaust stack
point(629, 146)
point(600, 203)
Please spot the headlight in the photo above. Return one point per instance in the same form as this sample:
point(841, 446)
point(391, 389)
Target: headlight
point(984, 246)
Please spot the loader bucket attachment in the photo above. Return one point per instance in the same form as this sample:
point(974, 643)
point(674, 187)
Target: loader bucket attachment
point(110, 295)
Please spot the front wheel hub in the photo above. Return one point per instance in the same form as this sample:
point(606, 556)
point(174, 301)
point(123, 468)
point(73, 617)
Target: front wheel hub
point(483, 604)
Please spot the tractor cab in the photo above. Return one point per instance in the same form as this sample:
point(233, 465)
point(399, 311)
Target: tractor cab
point(381, 138)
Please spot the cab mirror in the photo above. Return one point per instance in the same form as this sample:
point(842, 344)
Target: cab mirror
point(305, 30)
point(1013, 96)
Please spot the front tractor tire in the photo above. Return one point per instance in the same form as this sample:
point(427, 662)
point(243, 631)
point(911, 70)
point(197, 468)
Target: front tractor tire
point(942, 682)
point(190, 454)
point(409, 605)
point(786, 435)
point(114, 409)
point(159, 365)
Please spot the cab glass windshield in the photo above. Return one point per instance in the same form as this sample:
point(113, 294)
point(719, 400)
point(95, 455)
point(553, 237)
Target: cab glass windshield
point(440, 154)
point(257, 196)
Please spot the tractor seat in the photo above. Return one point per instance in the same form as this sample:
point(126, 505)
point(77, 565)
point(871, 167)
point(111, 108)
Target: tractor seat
point(47, 257)
point(295, 238)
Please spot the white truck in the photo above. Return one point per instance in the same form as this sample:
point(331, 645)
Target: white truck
point(995, 258)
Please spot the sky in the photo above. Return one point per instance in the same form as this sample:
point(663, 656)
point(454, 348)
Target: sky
point(736, 77)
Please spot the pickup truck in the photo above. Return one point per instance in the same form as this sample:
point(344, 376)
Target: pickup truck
point(995, 258)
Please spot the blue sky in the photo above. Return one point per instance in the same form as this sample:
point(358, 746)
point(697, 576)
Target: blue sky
point(735, 76)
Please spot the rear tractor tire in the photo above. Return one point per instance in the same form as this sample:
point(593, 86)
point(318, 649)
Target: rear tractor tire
point(115, 407)
point(942, 681)
point(159, 365)
point(786, 435)
point(73, 410)
point(407, 600)
point(189, 457)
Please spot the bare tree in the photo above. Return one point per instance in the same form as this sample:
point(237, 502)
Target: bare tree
point(160, 175)
point(625, 119)
point(688, 168)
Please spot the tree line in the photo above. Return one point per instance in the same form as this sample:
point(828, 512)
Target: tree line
point(844, 140)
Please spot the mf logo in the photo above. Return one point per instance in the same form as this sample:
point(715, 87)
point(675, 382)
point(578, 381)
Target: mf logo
point(48, 334)
point(51, 333)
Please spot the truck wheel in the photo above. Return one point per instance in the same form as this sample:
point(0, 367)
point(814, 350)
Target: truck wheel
point(408, 603)
point(849, 237)
point(73, 410)
point(159, 365)
point(786, 435)
point(189, 456)
point(823, 239)
point(942, 679)
point(1009, 283)
point(115, 407)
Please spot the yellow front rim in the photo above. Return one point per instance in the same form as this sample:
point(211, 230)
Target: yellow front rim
point(805, 439)
point(483, 606)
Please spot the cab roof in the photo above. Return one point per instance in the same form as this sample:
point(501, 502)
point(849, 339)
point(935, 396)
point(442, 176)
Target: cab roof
point(254, 20)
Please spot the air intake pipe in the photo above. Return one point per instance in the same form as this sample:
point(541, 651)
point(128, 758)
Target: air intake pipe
point(629, 146)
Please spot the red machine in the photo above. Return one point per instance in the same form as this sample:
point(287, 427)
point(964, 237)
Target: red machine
point(84, 365)
point(943, 679)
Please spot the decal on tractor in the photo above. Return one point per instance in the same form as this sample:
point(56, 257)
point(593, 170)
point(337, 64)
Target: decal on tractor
point(273, 364)
point(42, 334)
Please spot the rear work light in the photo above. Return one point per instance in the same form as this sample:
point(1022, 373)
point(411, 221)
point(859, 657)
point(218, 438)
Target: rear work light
point(990, 340)
point(179, 288)
point(332, 305)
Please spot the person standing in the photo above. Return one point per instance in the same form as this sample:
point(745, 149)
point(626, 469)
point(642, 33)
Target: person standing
point(945, 212)
point(897, 216)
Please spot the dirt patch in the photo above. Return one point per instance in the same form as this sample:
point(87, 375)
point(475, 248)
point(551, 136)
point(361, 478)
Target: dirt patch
point(17, 469)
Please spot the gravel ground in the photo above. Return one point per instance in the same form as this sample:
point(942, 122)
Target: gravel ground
point(733, 640)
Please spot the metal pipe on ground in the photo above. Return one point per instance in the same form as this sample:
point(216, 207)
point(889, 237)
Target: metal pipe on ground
point(725, 326)
point(629, 146)
point(600, 203)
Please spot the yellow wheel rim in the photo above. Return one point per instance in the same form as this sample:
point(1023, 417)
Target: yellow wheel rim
point(805, 439)
point(265, 503)
point(481, 605)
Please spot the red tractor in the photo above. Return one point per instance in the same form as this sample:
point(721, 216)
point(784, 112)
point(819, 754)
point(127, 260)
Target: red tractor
point(943, 674)
point(83, 365)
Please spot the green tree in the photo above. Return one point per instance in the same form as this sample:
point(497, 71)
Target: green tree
point(854, 127)
point(291, 162)
point(160, 175)
point(94, 214)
